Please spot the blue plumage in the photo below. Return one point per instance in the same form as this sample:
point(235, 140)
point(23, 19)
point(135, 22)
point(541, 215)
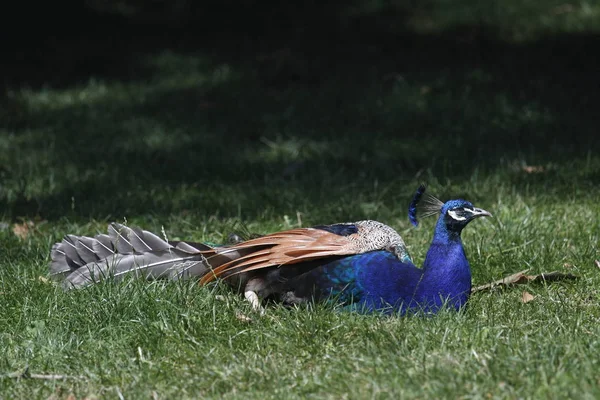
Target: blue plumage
point(379, 281)
point(412, 208)
point(339, 229)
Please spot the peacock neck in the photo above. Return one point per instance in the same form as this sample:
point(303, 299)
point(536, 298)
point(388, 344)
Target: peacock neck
point(446, 270)
point(445, 234)
point(446, 251)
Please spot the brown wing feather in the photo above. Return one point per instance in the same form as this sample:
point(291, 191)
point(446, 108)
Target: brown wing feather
point(260, 265)
point(217, 271)
point(283, 248)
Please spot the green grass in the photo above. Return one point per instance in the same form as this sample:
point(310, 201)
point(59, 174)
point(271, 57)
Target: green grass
point(314, 126)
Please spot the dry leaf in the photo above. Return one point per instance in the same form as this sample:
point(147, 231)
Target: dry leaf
point(26, 374)
point(521, 277)
point(43, 279)
point(567, 265)
point(527, 297)
point(533, 169)
point(23, 230)
point(242, 317)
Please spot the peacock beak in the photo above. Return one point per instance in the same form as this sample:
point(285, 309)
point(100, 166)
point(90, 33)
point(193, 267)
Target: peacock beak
point(480, 212)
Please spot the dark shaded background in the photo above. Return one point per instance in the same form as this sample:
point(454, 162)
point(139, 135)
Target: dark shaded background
point(360, 93)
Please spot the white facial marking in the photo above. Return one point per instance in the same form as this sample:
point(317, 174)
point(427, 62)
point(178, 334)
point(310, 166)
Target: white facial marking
point(455, 216)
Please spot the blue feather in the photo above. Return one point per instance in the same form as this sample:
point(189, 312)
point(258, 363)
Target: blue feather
point(412, 208)
point(339, 229)
point(378, 281)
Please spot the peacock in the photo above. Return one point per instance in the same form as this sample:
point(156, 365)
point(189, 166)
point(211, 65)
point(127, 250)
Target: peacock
point(364, 266)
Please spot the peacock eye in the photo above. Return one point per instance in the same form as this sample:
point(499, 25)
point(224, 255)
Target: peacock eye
point(457, 214)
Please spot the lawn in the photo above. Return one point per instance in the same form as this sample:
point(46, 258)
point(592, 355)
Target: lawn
point(317, 116)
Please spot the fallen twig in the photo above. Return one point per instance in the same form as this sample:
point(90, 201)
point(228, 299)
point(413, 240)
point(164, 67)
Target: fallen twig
point(25, 374)
point(521, 278)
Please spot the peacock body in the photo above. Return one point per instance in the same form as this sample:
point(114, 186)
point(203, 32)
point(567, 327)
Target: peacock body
point(365, 265)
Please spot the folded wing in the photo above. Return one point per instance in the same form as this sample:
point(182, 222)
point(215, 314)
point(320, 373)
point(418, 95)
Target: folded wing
point(280, 249)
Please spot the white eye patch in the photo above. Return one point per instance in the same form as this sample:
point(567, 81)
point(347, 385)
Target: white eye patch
point(455, 216)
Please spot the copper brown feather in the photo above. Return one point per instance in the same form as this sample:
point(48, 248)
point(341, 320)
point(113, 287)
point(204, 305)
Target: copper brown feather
point(281, 248)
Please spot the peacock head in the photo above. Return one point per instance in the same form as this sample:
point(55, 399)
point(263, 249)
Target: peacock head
point(457, 214)
point(453, 214)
